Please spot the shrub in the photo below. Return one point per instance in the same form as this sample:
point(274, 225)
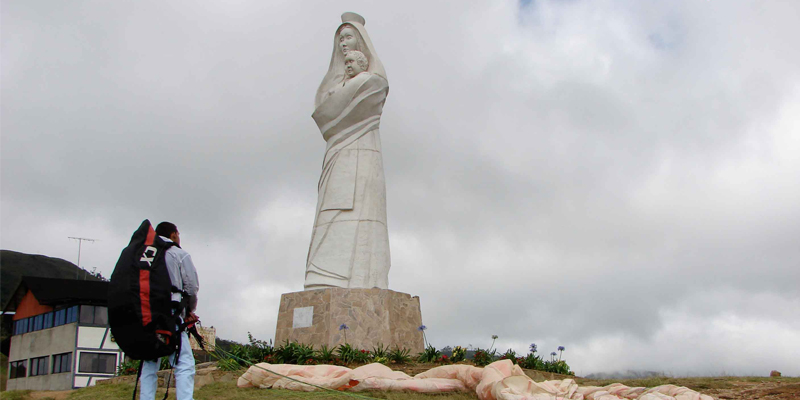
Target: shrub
point(346, 353)
point(380, 351)
point(400, 356)
point(459, 353)
point(304, 354)
point(228, 364)
point(324, 354)
point(483, 358)
point(510, 355)
point(430, 354)
point(362, 356)
point(558, 367)
point(285, 354)
point(128, 367)
point(532, 361)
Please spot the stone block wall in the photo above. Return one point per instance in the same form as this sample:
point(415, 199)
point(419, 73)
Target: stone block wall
point(373, 316)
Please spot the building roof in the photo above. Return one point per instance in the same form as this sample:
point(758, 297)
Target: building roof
point(53, 292)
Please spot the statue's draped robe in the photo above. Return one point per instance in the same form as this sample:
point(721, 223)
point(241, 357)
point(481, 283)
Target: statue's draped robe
point(350, 241)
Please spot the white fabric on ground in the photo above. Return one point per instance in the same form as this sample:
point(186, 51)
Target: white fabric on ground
point(500, 380)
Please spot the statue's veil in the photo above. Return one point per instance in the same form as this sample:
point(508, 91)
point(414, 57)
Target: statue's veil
point(336, 73)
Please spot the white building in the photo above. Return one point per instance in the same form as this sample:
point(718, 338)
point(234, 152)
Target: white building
point(61, 339)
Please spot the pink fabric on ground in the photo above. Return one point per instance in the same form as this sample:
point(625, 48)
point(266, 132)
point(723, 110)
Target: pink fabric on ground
point(376, 370)
point(467, 374)
point(501, 380)
point(430, 385)
point(327, 376)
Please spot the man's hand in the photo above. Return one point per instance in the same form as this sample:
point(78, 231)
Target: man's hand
point(191, 318)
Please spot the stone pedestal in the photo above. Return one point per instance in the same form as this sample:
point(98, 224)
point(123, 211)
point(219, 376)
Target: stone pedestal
point(373, 316)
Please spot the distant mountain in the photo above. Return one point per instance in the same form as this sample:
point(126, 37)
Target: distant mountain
point(14, 265)
point(629, 374)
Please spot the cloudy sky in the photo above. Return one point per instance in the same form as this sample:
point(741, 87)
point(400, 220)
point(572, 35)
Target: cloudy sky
point(618, 177)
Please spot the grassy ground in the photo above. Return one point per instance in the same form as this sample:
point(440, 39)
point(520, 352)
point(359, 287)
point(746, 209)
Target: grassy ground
point(3, 372)
point(229, 391)
point(700, 384)
point(732, 387)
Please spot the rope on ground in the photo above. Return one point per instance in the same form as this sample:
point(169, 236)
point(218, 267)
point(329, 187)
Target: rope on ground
point(329, 390)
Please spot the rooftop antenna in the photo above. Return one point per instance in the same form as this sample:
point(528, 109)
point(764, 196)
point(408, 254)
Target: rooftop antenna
point(80, 241)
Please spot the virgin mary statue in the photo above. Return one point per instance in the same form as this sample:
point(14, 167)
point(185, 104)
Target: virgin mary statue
point(350, 242)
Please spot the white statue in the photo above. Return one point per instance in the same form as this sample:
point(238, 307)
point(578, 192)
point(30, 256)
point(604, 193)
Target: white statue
point(350, 242)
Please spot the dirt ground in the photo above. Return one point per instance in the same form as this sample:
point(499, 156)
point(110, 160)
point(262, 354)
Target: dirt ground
point(768, 390)
point(55, 395)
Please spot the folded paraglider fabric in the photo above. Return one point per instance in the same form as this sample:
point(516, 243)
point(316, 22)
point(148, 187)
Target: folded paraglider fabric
point(501, 380)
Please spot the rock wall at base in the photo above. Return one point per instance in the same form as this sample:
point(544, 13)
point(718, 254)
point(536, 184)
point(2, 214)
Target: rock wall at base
point(372, 317)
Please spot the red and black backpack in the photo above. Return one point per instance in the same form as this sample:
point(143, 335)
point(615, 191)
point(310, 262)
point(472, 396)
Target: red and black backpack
point(144, 320)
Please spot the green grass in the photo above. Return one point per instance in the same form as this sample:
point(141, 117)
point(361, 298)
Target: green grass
point(16, 395)
point(229, 391)
point(697, 384)
point(3, 372)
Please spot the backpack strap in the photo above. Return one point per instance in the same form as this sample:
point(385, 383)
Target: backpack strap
point(175, 362)
point(179, 306)
point(138, 375)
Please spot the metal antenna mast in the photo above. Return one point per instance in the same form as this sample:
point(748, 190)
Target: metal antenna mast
point(80, 241)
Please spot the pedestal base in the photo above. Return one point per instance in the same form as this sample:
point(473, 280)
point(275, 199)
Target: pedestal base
point(373, 316)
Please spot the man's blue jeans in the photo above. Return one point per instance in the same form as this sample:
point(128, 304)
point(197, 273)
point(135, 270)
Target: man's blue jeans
point(184, 374)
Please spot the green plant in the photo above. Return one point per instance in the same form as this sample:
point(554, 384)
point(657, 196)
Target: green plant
point(304, 354)
point(284, 354)
point(228, 364)
point(483, 358)
point(362, 356)
point(510, 354)
point(558, 367)
point(532, 361)
point(346, 353)
point(128, 367)
point(258, 350)
point(430, 354)
point(381, 360)
point(400, 356)
point(459, 353)
point(324, 354)
point(494, 337)
point(380, 351)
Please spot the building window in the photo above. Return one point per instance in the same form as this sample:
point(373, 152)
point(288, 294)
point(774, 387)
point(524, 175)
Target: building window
point(38, 324)
point(60, 317)
point(72, 314)
point(62, 363)
point(94, 315)
point(102, 363)
point(21, 326)
point(38, 366)
point(17, 369)
point(48, 320)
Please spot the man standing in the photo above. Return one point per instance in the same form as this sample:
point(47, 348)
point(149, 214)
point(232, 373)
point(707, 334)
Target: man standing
point(183, 276)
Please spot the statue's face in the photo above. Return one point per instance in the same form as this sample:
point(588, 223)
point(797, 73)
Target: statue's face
point(347, 40)
point(351, 67)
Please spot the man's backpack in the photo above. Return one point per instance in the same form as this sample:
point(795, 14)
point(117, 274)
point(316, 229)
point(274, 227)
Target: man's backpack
point(144, 320)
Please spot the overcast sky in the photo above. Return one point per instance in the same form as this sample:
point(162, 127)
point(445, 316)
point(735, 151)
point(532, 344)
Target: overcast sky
point(618, 177)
